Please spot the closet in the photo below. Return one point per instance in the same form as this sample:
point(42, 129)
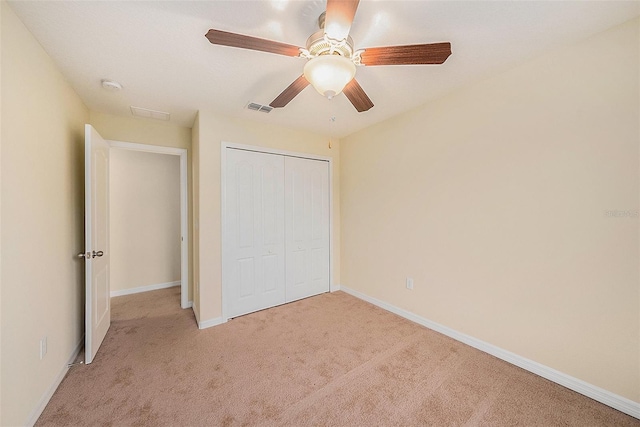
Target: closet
point(275, 229)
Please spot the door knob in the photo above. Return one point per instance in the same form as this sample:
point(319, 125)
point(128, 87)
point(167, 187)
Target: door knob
point(84, 255)
point(97, 254)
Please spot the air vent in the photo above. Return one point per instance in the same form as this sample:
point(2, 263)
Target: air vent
point(259, 107)
point(150, 114)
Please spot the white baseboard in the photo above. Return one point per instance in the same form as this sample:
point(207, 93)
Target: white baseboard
point(147, 288)
point(334, 288)
point(189, 305)
point(44, 400)
point(209, 323)
point(613, 400)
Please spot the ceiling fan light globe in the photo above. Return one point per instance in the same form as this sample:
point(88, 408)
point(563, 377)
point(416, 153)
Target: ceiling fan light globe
point(329, 74)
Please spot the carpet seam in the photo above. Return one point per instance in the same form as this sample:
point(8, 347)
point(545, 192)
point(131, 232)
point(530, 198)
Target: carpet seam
point(437, 377)
point(486, 404)
point(325, 390)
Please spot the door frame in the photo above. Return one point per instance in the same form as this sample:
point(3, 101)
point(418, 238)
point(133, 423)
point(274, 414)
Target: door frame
point(184, 207)
point(223, 190)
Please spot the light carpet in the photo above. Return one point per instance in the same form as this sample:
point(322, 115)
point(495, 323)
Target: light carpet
point(330, 360)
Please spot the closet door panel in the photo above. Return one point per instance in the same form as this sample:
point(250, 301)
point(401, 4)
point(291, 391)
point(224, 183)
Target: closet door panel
point(254, 265)
point(306, 227)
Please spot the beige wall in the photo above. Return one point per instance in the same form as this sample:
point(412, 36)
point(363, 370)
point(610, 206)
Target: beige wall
point(214, 129)
point(1, 9)
point(141, 131)
point(42, 220)
point(152, 132)
point(144, 219)
point(494, 200)
point(195, 168)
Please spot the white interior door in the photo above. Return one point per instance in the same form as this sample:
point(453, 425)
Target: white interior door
point(96, 254)
point(307, 227)
point(254, 258)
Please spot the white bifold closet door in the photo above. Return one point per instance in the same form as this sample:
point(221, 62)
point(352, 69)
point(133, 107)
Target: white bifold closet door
point(276, 228)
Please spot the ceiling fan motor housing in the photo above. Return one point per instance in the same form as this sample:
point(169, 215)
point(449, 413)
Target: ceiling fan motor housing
point(318, 44)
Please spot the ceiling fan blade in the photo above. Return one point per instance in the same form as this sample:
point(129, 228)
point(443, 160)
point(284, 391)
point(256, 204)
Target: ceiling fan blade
point(290, 92)
point(357, 96)
point(225, 38)
point(433, 53)
point(340, 13)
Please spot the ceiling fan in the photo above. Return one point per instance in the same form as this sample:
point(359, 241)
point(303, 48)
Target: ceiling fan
point(332, 60)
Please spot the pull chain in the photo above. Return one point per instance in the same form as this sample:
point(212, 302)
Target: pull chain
point(332, 120)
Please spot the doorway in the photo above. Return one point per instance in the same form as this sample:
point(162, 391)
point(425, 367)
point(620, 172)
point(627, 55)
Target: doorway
point(143, 253)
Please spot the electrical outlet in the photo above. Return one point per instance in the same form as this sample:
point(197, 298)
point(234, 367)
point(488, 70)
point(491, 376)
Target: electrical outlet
point(410, 283)
point(43, 347)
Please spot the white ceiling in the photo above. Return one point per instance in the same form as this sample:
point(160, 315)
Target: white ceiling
point(158, 52)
